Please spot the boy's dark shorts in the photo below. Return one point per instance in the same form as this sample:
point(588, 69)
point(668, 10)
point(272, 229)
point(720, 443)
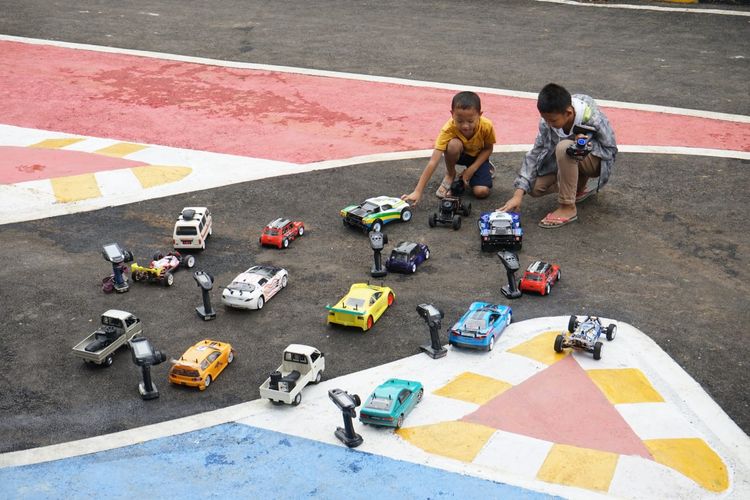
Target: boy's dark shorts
point(483, 176)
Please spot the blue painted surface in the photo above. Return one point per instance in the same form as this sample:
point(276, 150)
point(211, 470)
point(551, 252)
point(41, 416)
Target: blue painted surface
point(239, 461)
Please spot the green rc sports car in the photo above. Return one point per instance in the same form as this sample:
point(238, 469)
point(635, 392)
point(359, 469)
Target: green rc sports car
point(374, 213)
point(389, 404)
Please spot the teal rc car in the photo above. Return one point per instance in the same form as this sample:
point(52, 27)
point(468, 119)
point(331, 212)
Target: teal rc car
point(390, 402)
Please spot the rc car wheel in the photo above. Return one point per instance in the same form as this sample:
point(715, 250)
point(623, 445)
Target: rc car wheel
point(168, 279)
point(284, 282)
point(467, 210)
point(189, 261)
point(420, 394)
point(547, 289)
point(285, 243)
point(456, 222)
point(391, 298)
point(492, 343)
point(559, 275)
point(318, 377)
point(377, 226)
point(611, 331)
point(400, 421)
point(211, 230)
point(406, 215)
point(136, 276)
point(559, 343)
point(297, 399)
point(158, 256)
point(598, 351)
point(572, 324)
point(426, 254)
point(207, 382)
point(413, 268)
point(230, 357)
point(370, 322)
point(432, 220)
point(261, 301)
point(108, 360)
point(301, 230)
point(510, 318)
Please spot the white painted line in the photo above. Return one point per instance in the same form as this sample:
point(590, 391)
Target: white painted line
point(662, 482)
point(368, 78)
point(656, 421)
point(113, 183)
point(691, 10)
point(517, 454)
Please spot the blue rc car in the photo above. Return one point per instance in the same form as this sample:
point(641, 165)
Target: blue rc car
point(407, 256)
point(500, 230)
point(480, 326)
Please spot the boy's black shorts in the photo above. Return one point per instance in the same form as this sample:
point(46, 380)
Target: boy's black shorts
point(483, 176)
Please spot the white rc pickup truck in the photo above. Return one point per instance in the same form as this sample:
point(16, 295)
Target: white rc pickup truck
point(117, 328)
point(301, 365)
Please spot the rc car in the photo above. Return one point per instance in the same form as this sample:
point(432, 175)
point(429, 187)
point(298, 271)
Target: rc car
point(407, 256)
point(374, 213)
point(480, 326)
point(301, 365)
point(280, 232)
point(253, 288)
point(118, 327)
point(192, 229)
point(585, 335)
point(500, 230)
point(201, 364)
point(391, 402)
point(450, 207)
point(161, 268)
point(539, 277)
point(362, 306)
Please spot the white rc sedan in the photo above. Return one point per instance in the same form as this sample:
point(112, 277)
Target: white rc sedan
point(253, 288)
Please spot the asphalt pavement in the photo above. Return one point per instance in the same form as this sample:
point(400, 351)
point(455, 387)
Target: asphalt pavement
point(664, 247)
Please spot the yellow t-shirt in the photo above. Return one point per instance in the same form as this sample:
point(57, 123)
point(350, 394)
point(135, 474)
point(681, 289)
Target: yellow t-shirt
point(484, 135)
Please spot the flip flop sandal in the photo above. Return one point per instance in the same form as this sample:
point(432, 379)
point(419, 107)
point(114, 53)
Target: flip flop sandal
point(551, 221)
point(442, 191)
point(584, 195)
point(493, 170)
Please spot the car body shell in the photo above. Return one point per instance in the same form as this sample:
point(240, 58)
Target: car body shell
point(385, 209)
point(160, 267)
point(248, 287)
point(280, 232)
point(499, 230)
point(480, 326)
point(207, 358)
point(407, 256)
point(123, 327)
point(539, 277)
point(391, 402)
point(192, 228)
point(300, 365)
point(362, 306)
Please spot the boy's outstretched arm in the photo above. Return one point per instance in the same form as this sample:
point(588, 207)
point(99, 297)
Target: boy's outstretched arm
point(416, 195)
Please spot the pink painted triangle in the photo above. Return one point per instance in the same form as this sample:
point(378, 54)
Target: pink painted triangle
point(563, 405)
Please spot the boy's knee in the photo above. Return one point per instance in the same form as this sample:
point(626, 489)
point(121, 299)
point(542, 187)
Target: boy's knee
point(455, 147)
point(562, 148)
point(481, 191)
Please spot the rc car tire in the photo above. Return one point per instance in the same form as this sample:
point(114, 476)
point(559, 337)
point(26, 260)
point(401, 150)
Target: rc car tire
point(598, 351)
point(426, 255)
point(492, 344)
point(413, 268)
point(297, 399)
point(168, 279)
point(559, 343)
point(207, 382)
point(467, 210)
point(284, 282)
point(285, 243)
point(370, 322)
point(611, 332)
point(420, 394)
point(108, 360)
point(261, 301)
point(406, 215)
point(400, 421)
point(456, 222)
point(136, 276)
point(377, 226)
point(431, 220)
point(559, 275)
point(230, 357)
point(189, 261)
point(547, 289)
point(572, 324)
point(301, 230)
point(318, 377)
point(391, 298)
point(510, 318)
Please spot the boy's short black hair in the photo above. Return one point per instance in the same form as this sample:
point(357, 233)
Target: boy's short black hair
point(466, 100)
point(553, 98)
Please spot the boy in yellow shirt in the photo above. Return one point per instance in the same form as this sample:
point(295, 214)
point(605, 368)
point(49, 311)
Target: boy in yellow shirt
point(466, 139)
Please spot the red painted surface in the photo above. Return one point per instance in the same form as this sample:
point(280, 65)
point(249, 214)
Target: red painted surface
point(562, 405)
point(280, 116)
point(29, 164)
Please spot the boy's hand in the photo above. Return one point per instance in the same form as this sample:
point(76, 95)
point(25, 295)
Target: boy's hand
point(412, 198)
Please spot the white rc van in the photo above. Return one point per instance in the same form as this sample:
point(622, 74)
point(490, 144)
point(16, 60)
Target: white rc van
point(192, 229)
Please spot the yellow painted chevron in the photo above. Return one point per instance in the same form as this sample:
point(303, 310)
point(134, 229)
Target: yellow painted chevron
point(120, 150)
point(56, 143)
point(75, 188)
point(156, 175)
